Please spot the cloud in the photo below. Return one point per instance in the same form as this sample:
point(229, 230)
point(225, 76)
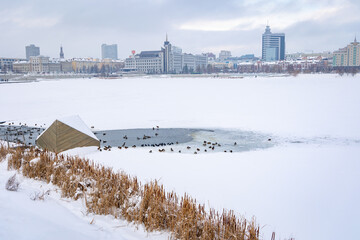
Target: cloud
point(22, 17)
point(40, 22)
point(81, 26)
point(278, 20)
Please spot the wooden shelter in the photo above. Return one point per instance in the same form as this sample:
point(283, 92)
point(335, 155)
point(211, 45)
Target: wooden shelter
point(67, 133)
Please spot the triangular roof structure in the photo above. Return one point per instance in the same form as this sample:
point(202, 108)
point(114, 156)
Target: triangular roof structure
point(67, 133)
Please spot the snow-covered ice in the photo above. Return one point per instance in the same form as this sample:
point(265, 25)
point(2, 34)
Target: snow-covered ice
point(306, 186)
point(307, 105)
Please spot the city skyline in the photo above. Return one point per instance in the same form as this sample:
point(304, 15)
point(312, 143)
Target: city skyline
point(199, 27)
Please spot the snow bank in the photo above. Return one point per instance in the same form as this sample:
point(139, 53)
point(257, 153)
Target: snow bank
point(304, 191)
point(56, 218)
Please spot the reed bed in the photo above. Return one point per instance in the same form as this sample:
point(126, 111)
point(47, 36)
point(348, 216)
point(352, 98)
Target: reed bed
point(3, 152)
point(124, 197)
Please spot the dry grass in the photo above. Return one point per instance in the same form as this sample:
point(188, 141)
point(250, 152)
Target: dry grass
point(3, 152)
point(123, 196)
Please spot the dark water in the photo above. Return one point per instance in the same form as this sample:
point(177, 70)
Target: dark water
point(20, 134)
point(185, 140)
point(145, 137)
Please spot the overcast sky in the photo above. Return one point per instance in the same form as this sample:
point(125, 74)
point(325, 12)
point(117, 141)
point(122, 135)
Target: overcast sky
point(196, 26)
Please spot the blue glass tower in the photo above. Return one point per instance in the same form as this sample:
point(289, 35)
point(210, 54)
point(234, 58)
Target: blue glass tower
point(273, 46)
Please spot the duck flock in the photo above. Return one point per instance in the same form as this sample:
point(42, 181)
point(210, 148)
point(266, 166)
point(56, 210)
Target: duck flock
point(156, 139)
point(21, 133)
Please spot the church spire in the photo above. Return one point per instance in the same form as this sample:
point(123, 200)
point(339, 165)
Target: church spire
point(61, 52)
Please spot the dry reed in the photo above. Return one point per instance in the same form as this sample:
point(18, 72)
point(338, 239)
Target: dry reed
point(3, 152)
point(107, 192)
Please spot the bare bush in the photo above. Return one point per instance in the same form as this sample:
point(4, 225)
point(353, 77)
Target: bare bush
point(36, 196)
point(12, 184)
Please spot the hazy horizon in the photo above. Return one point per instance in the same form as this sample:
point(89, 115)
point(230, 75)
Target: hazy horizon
point(195, 26)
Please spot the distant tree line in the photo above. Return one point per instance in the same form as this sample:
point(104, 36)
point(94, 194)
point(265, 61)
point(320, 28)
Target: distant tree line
point(104, 70)
point(347, 70)
point(285, 68)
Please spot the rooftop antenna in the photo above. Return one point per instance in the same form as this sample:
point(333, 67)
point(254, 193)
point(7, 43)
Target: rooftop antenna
point(355, 39)
point(166, 37)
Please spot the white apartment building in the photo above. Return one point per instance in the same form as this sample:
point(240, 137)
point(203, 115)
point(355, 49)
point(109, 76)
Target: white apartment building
point(193, 62)
point(177, 59)
point(146, 62)
point(201, 60)
point(188, 61)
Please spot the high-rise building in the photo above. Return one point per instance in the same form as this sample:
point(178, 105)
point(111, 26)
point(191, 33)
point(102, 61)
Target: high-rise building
point(32, 51)
point(347, 56)
point(109, 51)
point(273, 46)
point(168, 63)
point(172, 58)
point(61, 53)
point(223, 55)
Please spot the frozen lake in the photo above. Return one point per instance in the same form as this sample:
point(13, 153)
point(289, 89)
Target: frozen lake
point(304, 183)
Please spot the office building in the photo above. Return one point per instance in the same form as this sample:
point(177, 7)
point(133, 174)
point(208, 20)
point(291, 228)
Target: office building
point(273, 46)
point(146, 62)
point(109, 51)
point(201, 61)
point(188, 63)
point(223, 55)
point(169, 59)
point(6, 64)
point(172, 58)
point(32, 51)
point(177, 59)
point(348, 56)
point(192, 63)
